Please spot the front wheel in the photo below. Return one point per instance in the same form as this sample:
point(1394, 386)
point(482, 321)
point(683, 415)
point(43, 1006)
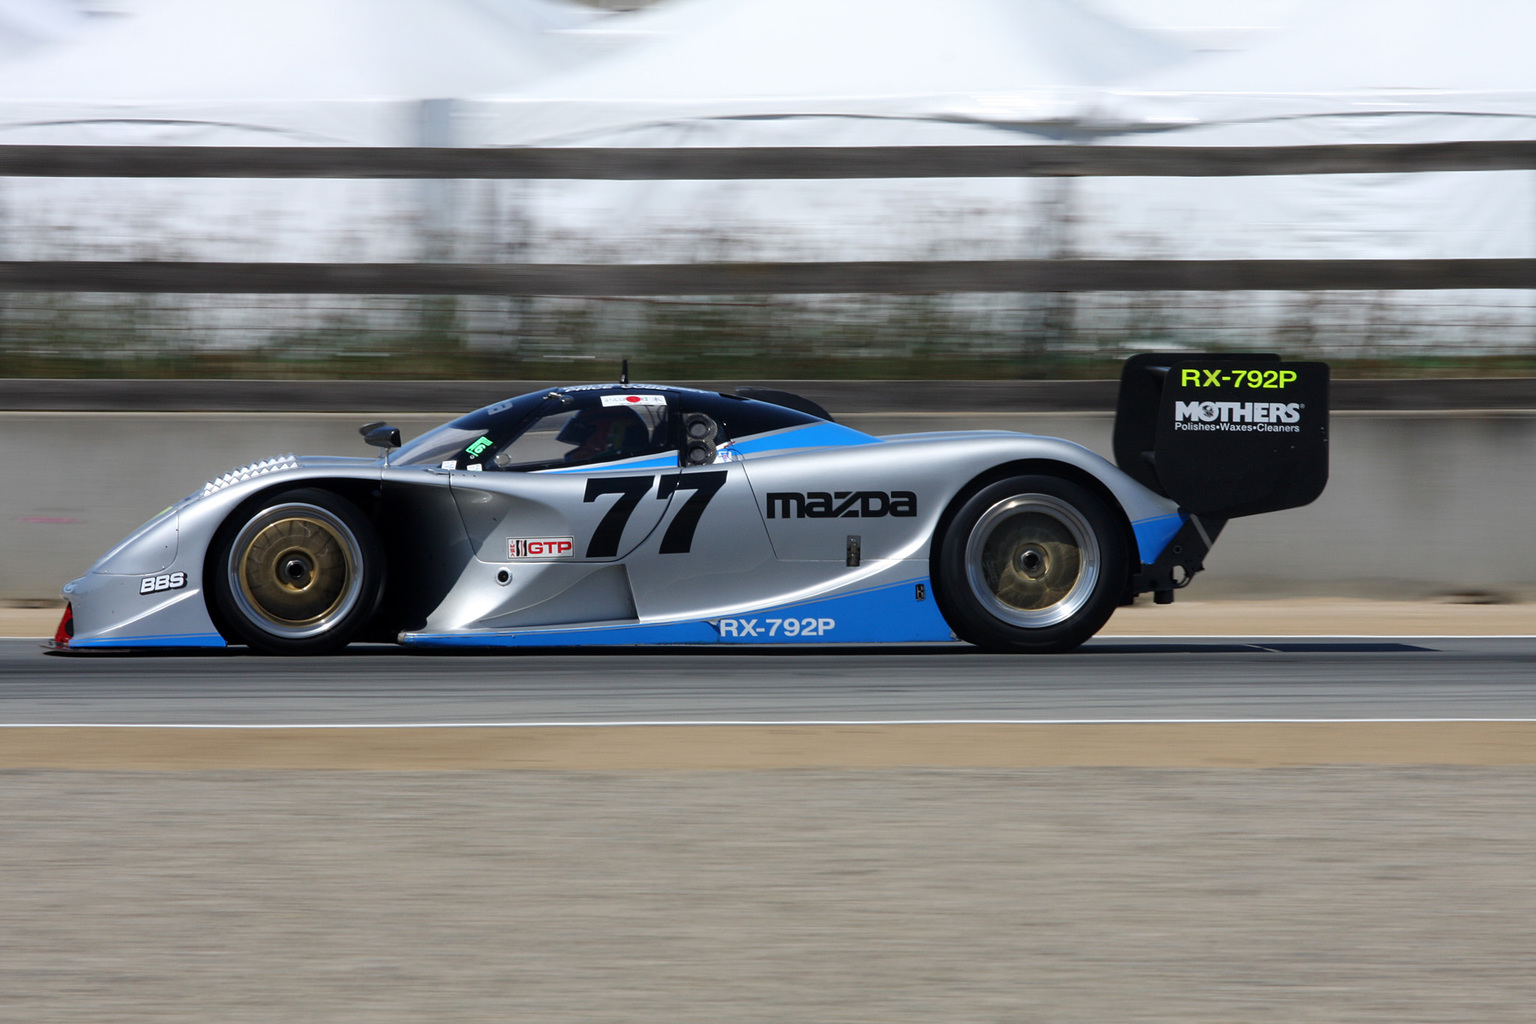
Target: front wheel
point(1032, 563)
point(299, 573)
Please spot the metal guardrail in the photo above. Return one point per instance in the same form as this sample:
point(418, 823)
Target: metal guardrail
point(811, 278)
point(872, 277)
point(803, 162)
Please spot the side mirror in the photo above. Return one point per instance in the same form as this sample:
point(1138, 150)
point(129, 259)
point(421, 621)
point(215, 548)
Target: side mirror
point(380, 434)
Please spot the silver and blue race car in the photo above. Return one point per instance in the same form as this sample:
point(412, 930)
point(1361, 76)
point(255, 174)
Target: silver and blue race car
point(647, 514)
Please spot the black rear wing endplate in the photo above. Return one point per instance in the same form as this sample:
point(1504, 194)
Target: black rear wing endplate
point(1224, 435)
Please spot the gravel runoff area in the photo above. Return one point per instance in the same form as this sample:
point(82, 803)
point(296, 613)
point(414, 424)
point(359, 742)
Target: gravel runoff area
point(1303, 616)
point(1397, 894)
point(1387, 891)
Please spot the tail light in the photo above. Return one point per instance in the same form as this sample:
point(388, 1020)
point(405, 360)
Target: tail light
point(66, 631)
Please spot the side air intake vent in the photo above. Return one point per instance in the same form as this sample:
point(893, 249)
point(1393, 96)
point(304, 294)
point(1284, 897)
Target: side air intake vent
point(265, 466)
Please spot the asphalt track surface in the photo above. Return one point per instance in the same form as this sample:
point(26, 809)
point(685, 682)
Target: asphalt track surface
point(1108, 680)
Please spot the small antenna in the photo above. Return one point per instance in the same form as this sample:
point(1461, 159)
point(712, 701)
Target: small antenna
point(624, 372)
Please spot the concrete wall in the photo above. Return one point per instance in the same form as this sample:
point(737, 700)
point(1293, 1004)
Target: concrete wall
point(1418, 503)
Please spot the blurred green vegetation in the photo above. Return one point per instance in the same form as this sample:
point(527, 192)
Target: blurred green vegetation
point(660, 368)
point(65, 335)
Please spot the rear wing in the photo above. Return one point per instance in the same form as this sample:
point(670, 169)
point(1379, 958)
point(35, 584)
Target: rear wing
point(1224, 435)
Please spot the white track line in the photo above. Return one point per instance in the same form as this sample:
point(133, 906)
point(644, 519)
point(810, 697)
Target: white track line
point(958, 646)
point(774, 723)
point(1318, 637)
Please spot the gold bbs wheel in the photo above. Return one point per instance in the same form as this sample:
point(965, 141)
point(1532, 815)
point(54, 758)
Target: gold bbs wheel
point(1032, 563)
point(1033, 560)
point(301, 575)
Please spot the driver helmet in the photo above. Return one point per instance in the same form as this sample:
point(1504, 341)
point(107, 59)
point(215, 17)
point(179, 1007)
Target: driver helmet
point(603, 431)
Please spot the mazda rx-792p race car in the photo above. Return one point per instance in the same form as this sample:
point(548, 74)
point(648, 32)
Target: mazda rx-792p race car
point(646, 514)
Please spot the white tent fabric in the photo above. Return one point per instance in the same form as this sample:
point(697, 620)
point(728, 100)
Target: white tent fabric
point(725, 72)
point(26, 25)
point(545, 15)
point(811, 73)
point(259, 72)
point(1206, 25)
point(1347, 72)
point(296, 71)
point(1350, 71)
point(1014, 62)
point(770, 72)
point(1353, 57)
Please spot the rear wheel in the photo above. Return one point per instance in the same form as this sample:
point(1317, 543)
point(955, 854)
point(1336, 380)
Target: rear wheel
point(300, 572)
point(1032, 563)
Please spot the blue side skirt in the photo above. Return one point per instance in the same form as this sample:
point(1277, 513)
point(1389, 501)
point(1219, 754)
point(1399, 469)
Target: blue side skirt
point(891, 614)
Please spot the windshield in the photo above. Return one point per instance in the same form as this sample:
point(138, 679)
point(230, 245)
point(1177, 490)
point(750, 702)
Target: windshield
point(588, 433)
point(468, 438)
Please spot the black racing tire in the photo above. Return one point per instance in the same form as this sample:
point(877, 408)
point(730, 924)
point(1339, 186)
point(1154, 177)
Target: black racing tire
point(297, 572)
point(1033, 564)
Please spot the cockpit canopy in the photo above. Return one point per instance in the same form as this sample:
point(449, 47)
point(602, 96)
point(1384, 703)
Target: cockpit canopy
point(595, 423)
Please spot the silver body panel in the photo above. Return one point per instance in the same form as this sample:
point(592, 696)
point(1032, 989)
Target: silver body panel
point(480, 554)
point(110, 607)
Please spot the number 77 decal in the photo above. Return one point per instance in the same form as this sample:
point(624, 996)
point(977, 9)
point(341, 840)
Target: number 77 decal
point(679, 536)
point(678, 540)
point(630, 489)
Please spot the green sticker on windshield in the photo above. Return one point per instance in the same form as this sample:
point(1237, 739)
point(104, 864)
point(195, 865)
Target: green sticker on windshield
point(477, 449)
